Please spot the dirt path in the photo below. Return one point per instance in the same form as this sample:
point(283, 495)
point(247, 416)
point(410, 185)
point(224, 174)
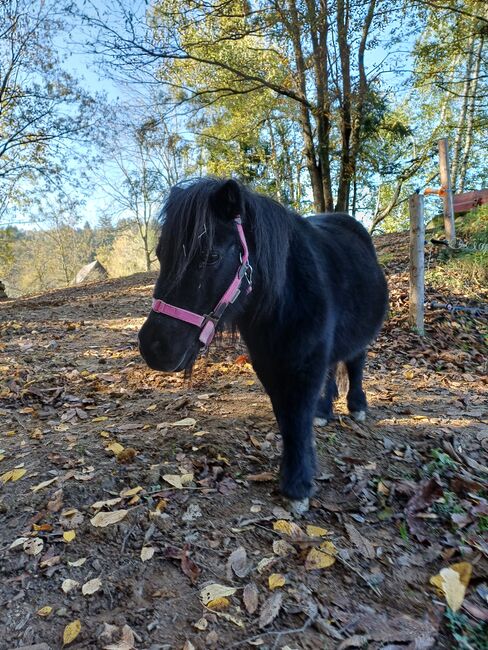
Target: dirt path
point(399, 497)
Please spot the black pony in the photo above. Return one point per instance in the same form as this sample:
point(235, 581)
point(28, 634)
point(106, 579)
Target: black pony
point(307, 294)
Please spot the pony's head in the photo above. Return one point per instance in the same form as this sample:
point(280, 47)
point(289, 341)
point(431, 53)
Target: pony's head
point(202, 252)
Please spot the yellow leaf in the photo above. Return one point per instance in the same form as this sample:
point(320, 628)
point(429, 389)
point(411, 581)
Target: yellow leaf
point(44, 611)
point(103, 519)
point(409, 374)
point(101, 418)
point(153, 407)
point(316, 531)
point(115, 447)
point(105, 434)
point(276, 580)
point(452, 582)
point(10, 433)
point(453, 588)
point(316, 559)
point(288, 528)
point(465, 570)
point(2, 457)
point(219, 603)
point(13, 475)
point(71, 631)
point(131, 492)
point(328, 547)
point(69, 536)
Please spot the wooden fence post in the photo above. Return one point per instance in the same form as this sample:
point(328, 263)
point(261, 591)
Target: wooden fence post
point(445, 174)
point(417, 243)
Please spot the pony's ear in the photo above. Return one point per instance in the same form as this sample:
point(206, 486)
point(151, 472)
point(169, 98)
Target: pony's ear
point(227, 200)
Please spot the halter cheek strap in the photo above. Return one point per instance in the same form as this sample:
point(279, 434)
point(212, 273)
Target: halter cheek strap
point(208, 322)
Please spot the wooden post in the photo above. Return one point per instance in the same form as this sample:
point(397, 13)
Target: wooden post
point(446, 188)
point(417, 242)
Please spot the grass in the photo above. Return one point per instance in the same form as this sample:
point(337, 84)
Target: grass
point(465, 269)
point(467, 634)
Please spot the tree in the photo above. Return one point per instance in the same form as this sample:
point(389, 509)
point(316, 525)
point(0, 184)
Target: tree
point(147, 162)
point(311, 54)
point(43, 112)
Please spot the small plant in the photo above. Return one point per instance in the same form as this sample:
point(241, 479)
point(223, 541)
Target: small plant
point(468, 635)
point(441, 463)
point(402, 529)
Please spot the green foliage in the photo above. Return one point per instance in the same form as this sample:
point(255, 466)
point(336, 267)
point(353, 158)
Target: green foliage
point(467, 634)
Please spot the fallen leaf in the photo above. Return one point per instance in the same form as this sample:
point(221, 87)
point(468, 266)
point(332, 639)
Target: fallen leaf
point(276, 580)
point(238, 562)
point(178, 480)
point(188, 566)
point(270, 609)
point(44, 484)
point(201, 624)
point(218, 603)
point(262, 477)
point(361, 542)
point(69, 535)
point(288, 528)
point(452, 582)
point(250, 597)
point(44, 611)
point(91, 587)
point(147, 553)
point(214, 590)
point(316, 531)
point(77, 563)
point(103, 519)
point(283, 548)
point(131, 492)
point(71, 631)
point(108, 503)
point(185, 422)
point(115, 447)
point(127, 641)
point(321, 558)
point(69, 584)
point(33, 546)
point(20, 541)
point(13, 475)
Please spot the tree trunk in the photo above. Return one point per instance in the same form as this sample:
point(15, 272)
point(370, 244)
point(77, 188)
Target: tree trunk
point(470, 114)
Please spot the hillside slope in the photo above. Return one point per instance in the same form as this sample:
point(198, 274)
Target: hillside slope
point(82, 420)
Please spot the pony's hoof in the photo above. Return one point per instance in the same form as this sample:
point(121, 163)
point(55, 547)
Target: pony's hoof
point(299, 506)
point(359, 416)
point(320, 422)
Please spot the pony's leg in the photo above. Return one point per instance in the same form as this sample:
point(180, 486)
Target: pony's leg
point(294, 401)
point(356, 397)
point(324, 412)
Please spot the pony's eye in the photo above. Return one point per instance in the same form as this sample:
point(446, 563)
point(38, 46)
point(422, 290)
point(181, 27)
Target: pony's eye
point(210, 259)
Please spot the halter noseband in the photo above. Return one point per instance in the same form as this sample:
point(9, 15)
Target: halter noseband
point(208, 322)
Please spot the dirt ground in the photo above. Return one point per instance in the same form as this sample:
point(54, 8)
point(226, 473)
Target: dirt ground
point(188, 473)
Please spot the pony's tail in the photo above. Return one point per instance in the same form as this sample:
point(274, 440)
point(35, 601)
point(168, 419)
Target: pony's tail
point(342, 378)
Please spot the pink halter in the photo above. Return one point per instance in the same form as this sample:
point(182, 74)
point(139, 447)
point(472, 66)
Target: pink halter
point(208, 322)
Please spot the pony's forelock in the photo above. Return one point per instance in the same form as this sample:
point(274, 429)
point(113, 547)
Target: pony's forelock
point(188, 222)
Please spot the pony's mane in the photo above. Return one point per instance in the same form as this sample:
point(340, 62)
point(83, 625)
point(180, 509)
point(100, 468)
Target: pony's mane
point(188, 227)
